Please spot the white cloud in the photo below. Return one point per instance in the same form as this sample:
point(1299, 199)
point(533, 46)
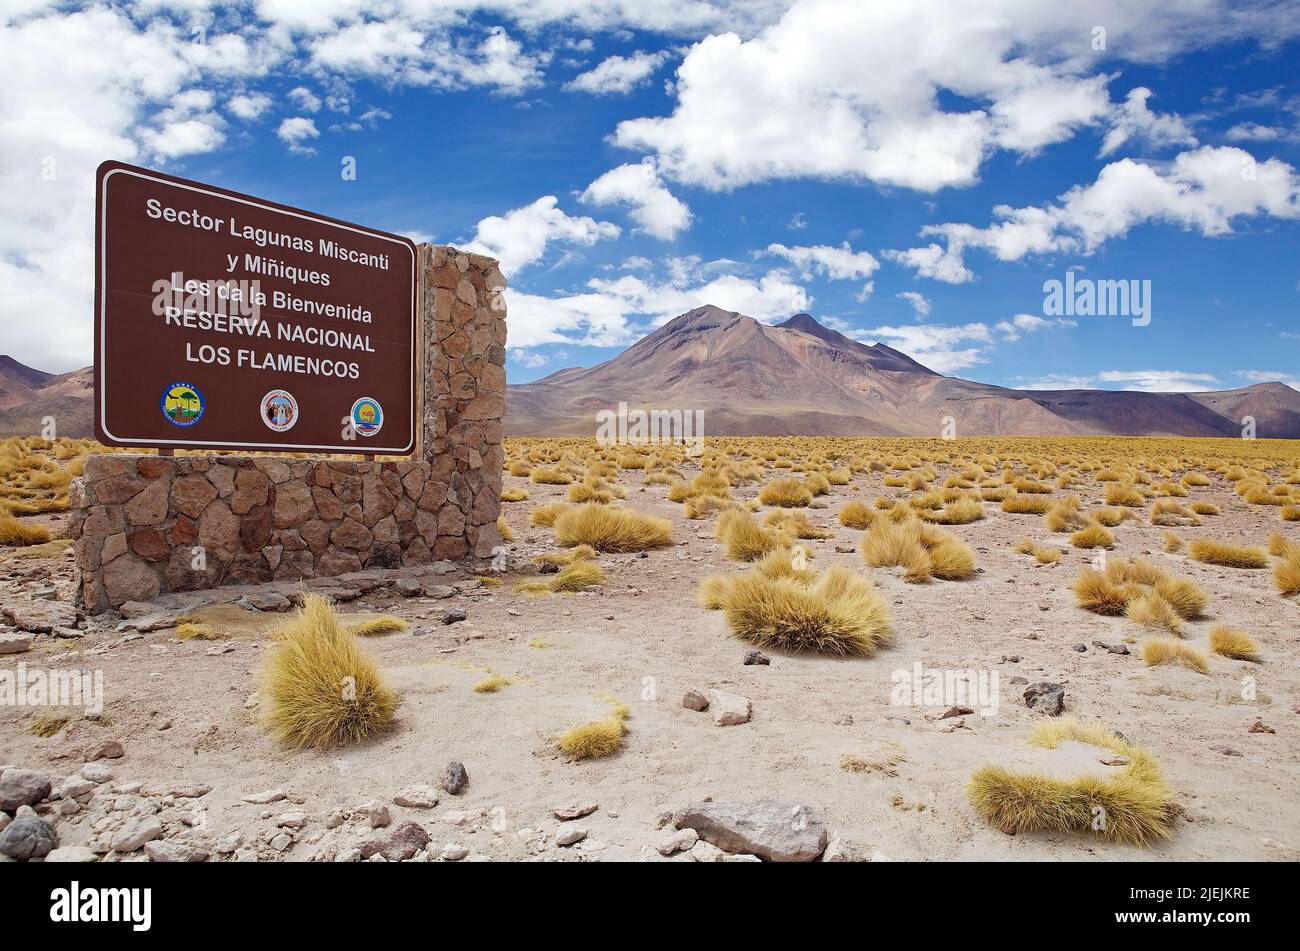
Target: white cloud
point(249, 107)
point(917, 94)
point(864, 295)
point(1271, 376)
point(838, 263)
point(304, 99)
point(617, 312)
point(1256, 132)
point(919, 304)
point(519, 237)
point(1203, 190)
point(296, 132)
point(1021, 324)
point(185, 137)
point(936, 346)
point(1159, 381)
point(618, 75)
point(655, 209)
point(1134, 121)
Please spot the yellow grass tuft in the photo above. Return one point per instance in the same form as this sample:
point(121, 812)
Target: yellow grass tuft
point(504, 529)
point(1286, 575)
point(320, 688)
point(492, 683)
point(1166, 650)
point(578, 576)
point(840, 614)
point(1026, 504)
point(1233, 642)
point(579, 553)
point(611, 529)
point(1093, 535)
point(597, 739)
point(17, 534)
point(1151, 610)
point(514, 495)
point(857, 514)
point(1173, 543)
point(1135, 804)
point(786, 493)
point(543, 476)
point(544, 516)
point(745, 539)
point(384, 624)
point(1229, 556)
point(188, 631)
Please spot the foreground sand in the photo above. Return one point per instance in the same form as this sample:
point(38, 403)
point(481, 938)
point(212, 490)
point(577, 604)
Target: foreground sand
point(643, 640)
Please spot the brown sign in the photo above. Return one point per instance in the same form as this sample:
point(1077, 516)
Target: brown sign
point(223, 321)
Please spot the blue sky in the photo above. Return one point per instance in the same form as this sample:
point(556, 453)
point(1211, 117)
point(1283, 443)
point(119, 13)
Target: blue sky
point(627, 162)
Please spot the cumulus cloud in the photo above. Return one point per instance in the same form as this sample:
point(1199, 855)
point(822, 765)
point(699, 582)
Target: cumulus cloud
point(1204, 190)
point(941, 348)
point(655, 209)
point(520, 237)
point(838, 263)
point(1013, 329)
point(917, 95)
point(249, 106)
point(296, 132)
point(1134, 121)
point(919, 304)
point(618, 75)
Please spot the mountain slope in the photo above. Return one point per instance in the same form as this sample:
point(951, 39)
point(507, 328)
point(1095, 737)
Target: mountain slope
point(800, 377)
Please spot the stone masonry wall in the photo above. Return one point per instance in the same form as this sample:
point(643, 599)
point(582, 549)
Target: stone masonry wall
point(147, 524)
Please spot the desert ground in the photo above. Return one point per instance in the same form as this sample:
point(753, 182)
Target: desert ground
point(184, 763)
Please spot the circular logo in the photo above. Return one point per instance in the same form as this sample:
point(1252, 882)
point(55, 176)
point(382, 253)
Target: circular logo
point(279, 410)
point(183, 404)
point(367, 416)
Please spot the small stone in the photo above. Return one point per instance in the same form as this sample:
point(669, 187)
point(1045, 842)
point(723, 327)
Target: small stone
point(753, 658)
point(1226, 750)
point(1045, 697)
point(1081, 648)
point(134, 833)
point(729, 709)
point(454, 777)
point(15, 643)
point(72, 853)
point(575, 811)
point(405, 840)
point(569, 834)
point(1259, 726)
point(771, 830)
point(230, 843)
point(22, 787)
point(28, 837)
point(291, 820)
point(378, 814)
point(957, 711)
point(694, 700)
point(96, 772)
point(265, 797)
point(679, 841)
point(281, 842)
point(108, 749)
point(454, 615)
point(454, 853)
point(409, 587)
point(351, 855)
point(169, 850)
point(417, 797)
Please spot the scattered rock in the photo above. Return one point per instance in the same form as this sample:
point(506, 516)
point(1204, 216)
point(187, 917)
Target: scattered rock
point(169, 850)
point(409, 587)
point(454, 777)
point(72, 853)
point(454, 852)
point(15, 643)
point(265, 797)
point(39, 617)
point(569, 834)
point(679, 841)
point(1081, 648)
point(729, 709)
point(28, 837)
point(402, 844)
point(756, 658)
point(134, 833)
point(1226, 750)
point(108, 749)
point(574, 811)
point(955, 712)
point(96, 772)
point(1045, 697)
point(771, 830)
point(269, 601)
point(22, 787)
point(694, 700)
point(421, 796)
point(291, 820)
point(841, 850)
point(454, 615)
point(1259, 726)
point(377, 813)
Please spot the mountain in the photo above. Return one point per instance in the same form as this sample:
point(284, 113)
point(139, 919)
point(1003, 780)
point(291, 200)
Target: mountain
point(802, 378)
point(28, 396)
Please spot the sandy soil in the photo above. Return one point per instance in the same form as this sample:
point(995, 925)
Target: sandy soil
point(644, 640)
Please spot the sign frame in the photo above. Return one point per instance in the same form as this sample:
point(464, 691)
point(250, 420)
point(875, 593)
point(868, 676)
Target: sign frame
point(359, 446)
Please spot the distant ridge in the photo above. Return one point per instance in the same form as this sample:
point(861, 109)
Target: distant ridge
point(801, 377)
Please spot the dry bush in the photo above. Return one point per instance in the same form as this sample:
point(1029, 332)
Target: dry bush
point(1025, 504)
point(1233, 642)
point(611, 529)
point(962, 511)
point(1166, 650)
point(786, 493)
point(745, 539)
point(1286, 574)
point(17, 534)
point(839, 614)
point(578, 577)
point(857, 514)
point(504, 530)
point(1213, 552)
point(383, 624)
point(1171, 513)
point(580, 553)
point(1110, 517)
point(795, 524)
point(1205, 508)
point(1173, 543)
point(1151, 610)
point(1124, 493)
point(1064, 516)
point(544, 516)
point(1093, 535)
point(514, 495)
point(543, 476)
point(492, 683)
point(599, 738)
point(1137, 801)
point(320, 688)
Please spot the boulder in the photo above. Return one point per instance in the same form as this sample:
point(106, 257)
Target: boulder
point(772, 830)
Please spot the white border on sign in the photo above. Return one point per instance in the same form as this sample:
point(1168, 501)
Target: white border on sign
point(103, 311)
